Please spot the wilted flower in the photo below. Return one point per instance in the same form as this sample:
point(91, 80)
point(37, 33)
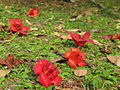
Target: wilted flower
point(81, 40)
point(48, 73)
point(75, 57)
point(16, 26)
point(112, 36)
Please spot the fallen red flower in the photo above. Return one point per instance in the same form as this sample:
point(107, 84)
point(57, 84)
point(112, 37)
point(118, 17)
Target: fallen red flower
point(16, 26)
point(112, 36)
point(75, 57)
point(10, 61)
point(33, 12)
point(81, 40)
point(48, 73)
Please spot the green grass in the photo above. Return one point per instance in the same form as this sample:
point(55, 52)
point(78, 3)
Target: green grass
point(32, 47)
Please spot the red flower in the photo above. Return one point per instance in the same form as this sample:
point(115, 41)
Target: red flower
point(75, 57)
point(16, 26)
point(48, 73)
point(112, 36)
point(33, 12)
point(81, 40)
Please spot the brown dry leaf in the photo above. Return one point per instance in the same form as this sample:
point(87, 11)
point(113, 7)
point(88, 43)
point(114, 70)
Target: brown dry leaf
point(117, 21)
point(80, 72)
point(89, 20)
point(3, 28)
point(3, 73)
point(114, 59)
point(28, 22)
point(118, 46)
point(65, 37)
point(73, 30)
point(57, 34)
point(118, 26)
point(105, 49)
point(1, 23)
point(72, 20)
point(97, 43)
point(5, 41)
point(59, 26)
point(96, 30)
point(62, 36)
point(33, 29)
point(40, 35)
point(10, 61)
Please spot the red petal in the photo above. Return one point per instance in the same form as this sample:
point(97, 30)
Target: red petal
point(38, 68)
point(22, 32)
point(72, 63)
point(15, 21)
point(43, 61)
point(57, 80)
point(86, 35)
point(12, 21)
point(108, 36)
point(54, 74)
point(91, 41)
point(82, 63)
point(43, 79)
point(13, 28)
point(80, 42)
point(68, 54)
point(75, 36)
point(25, 28)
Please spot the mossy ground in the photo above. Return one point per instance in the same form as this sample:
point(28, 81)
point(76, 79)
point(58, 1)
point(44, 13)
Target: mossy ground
point(55, 13)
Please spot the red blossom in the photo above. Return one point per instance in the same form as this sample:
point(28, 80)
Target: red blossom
point(112, 36)
point(81, 40)
point(75, 57)
point(16, 26)
point(33, 12)
point(48, 73)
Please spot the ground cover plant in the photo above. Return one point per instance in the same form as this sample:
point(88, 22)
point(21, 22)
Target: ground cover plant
point(75, 43)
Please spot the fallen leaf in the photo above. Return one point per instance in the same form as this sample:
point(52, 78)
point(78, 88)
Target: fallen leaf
point(59, 26)
point(40, 35)
point(5, 41)
point(118, 26)
point(90, 20)
point(96, 30)
point(105, 49)
point(114, 59)
point(117, 70)
point(118, 46)
point(62, 36)
point(117, 21)
point(10, 61)
point(57, 34)
point(80, 72)
point(55, 59)
point(3, 73)
point(97, 43)
point(33, 29)
point(73, 30)
point(3, 28)
point(28, 22)
point(72, 20)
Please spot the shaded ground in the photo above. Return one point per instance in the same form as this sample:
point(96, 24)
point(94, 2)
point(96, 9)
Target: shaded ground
point(59, 16)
